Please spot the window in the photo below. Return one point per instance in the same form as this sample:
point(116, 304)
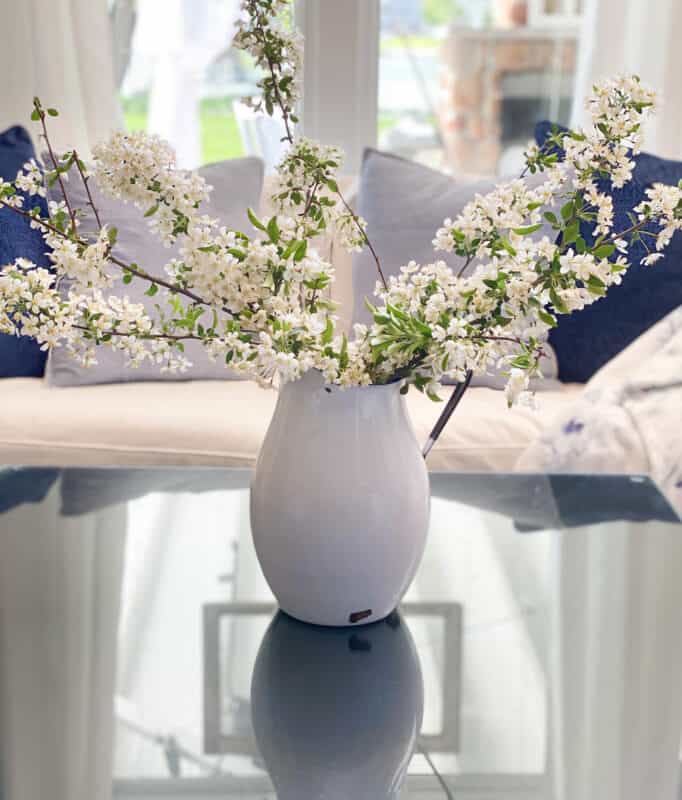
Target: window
point(555, 11)
point(463, 82)
point(456, 84)
point(179, 77)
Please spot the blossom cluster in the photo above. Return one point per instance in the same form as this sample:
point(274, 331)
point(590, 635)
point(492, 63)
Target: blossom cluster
point(306, 189)
point(140, 168)
point(498, 308)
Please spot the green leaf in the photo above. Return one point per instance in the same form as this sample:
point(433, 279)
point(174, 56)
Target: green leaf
point(528, 230)
point(273, 230)
point(53, 112)
point(112, 235)
point(301, 251)
point(521, 362)
point(151, 211)
point(434, 397)
point(551, 217)
point(596, 286)
point(253, 219)
point(35, 115)
point(508, 247)
point(557, 302)
point(328, 334)
point(605, 251)
point(333, 185)
point(128, 278)
point(568, 210)
point(343, 355)
point(153, 289)
point(571, 233)
point(547, 318)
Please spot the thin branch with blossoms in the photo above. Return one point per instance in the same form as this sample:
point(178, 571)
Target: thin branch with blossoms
point(280, 53)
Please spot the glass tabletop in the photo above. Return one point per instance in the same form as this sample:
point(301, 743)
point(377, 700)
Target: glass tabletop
point(141, 651)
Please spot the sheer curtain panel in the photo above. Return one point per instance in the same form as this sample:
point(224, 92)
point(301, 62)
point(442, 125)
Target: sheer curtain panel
point(61, 51)
point(643, 37)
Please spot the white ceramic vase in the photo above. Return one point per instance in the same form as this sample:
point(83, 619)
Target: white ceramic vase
point(339, 502)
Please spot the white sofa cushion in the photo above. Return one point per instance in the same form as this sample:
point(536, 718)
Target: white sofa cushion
point(223, 423)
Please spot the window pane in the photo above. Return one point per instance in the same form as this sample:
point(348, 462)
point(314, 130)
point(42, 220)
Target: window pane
point(463, 82)
point(179, 77)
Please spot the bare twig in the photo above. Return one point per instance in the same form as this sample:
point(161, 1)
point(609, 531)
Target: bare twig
point(85, 179)
point(55, 164)
point(366, 239)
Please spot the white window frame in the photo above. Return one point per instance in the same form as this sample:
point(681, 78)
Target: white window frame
point(341, 94)
point(540, 17)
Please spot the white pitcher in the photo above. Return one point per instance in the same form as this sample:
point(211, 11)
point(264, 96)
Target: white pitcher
point(339, 502)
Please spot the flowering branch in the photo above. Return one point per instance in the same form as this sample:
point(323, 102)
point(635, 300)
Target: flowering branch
point(40, 114)
point(258, 302)
point(85, 179)
point(280, 53)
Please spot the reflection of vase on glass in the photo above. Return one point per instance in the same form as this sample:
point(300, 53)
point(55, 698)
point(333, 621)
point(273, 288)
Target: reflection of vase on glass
point(337, 712)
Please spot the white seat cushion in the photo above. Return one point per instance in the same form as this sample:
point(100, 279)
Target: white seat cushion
point(216, 423)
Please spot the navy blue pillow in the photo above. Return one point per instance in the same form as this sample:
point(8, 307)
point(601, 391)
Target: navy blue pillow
point(20, 357)
point(587, 340)
point(648, 167)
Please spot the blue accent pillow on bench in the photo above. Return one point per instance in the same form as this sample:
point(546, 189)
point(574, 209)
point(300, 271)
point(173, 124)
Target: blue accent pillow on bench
point(20, 357)
point(587, 340)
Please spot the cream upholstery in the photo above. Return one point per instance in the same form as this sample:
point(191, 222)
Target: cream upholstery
point(223, 423)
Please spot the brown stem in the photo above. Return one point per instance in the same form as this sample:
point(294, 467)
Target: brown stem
point(85, 180)
point(278, 94)
point(628, 231)
point(310, 199)
point(127, 267)
point(55, 165)
point(160, 281)
point(464, 267)
point(363, 233)
point(146, 336)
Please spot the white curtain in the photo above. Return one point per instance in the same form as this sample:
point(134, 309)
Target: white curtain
point(640, 36)
point(60, 592)
point(59, 50)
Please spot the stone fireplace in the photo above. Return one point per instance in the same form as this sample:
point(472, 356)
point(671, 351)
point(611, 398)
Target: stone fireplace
point(496, 84)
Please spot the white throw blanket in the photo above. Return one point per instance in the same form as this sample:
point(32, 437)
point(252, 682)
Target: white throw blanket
point(628, 419)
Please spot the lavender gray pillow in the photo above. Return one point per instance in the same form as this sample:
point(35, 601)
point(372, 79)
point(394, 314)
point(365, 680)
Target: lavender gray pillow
point(237, 185)
point(404, 204)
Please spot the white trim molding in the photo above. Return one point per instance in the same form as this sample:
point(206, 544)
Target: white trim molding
point(340, 103)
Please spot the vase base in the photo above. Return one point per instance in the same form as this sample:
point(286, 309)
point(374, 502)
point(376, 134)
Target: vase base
point(356, 619)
